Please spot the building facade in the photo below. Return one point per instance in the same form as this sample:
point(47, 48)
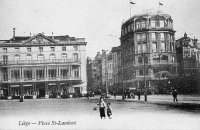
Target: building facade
point(94, 73)
point(42, 66)
point(117, 70)
point(188, 58)
point(148, 51)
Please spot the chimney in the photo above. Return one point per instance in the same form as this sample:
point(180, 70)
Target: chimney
point(13, 34)
point(52, 36)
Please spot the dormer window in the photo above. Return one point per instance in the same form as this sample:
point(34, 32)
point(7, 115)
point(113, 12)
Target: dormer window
point(29, 49)
point(162, 25)
point(153, 24)
point(138, 25)
point(143, 24)
point(52, 48)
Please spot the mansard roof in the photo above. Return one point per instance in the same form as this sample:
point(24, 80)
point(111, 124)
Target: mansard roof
point(42, 40)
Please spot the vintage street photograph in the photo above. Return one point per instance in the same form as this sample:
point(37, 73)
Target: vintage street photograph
point(99, 65)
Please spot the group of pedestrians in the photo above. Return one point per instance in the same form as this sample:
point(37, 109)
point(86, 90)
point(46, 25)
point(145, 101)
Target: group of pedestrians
point(102, 109)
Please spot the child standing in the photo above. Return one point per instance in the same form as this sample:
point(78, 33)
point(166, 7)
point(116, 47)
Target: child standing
point(109, 110)
point(102, 106)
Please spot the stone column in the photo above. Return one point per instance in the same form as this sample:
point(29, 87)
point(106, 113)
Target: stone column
point(22, 73)
point(46, 90)
point(47, 72)
point(79, 72)
point(9, 92)
point(34, 91)
point(9, 74)
point(33, 73)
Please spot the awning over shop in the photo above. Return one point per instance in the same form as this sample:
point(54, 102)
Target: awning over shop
point(16, 85)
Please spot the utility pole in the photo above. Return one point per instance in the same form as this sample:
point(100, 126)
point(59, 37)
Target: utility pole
point(145, 86)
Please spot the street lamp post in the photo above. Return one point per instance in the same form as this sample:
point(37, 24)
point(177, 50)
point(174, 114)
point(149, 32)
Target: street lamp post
point(145, 86)
point(106, 74)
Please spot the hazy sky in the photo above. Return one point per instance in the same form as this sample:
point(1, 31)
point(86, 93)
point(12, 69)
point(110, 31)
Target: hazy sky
point(94, 20)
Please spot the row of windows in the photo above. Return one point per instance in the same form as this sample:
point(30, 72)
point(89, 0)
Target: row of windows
point(143, 24)
point(141, 37)
point(28, 74)
point(143, 71)
point(29, 49)
point(154, 36)
point(142, 47)
point(40, 57)
point(156, 58)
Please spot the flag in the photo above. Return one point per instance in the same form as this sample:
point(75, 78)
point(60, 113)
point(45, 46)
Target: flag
point(132, 3)
point(160, 3)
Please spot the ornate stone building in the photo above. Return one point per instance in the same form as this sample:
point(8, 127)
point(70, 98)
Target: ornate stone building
point(148, 50)
point(42, 66)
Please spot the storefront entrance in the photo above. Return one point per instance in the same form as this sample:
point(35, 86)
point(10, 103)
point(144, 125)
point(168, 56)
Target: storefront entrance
point(41, 89)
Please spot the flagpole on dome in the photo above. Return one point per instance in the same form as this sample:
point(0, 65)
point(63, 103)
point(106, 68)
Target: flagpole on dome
point(159, 6)
point(130, 6)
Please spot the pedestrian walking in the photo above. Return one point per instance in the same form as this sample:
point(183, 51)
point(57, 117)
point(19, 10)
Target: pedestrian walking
point(109, 111)
point(174, 94)
point(92, 94)
point(21, 98)
point(138, 95)
point(102, 106)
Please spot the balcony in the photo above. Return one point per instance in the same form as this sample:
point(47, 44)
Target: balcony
point(17, 80)
point(48, 61)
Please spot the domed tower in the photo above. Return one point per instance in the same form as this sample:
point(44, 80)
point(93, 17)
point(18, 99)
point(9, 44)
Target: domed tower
point(148, 51)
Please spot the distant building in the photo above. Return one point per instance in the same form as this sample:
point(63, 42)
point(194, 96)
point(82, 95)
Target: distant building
point(90, 74)
point(94, 73)
point(188, 55)
point(188, 58)
point(117, 69)
point(42, 66)
point(148, 51)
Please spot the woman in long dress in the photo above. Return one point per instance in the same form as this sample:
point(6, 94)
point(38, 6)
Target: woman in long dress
point(102, 106)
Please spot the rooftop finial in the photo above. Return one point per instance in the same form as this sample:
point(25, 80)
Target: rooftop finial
point(52, 36)
point(185, 35)
point(13, 33)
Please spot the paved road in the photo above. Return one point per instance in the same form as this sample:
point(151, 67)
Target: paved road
point(81, 114)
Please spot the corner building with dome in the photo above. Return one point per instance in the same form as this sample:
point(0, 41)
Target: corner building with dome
point(148, 51)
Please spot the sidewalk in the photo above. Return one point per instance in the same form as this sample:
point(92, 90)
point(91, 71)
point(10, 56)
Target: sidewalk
point(186, 99)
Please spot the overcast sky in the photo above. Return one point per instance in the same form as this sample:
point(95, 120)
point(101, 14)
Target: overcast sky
point(99, 21)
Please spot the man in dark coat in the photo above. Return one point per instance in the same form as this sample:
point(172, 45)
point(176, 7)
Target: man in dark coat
point(174, 94)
